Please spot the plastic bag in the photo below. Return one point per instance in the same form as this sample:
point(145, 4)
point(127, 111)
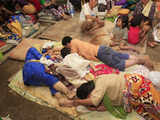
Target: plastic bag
point(156, 33)
point(154, 76)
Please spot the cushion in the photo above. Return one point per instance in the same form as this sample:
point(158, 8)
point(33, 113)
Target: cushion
point(124, 11)
point(19, 52)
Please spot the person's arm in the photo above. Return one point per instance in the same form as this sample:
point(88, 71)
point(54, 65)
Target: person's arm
point(7, 11)
point(125, 35)
point(36, 53)
point(87, 102)
point(93, 67)
point(89, 17)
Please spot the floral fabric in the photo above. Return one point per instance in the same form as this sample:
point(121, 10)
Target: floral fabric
point(141, 96)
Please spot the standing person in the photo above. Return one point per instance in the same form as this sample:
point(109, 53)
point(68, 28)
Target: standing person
point(145, 7)
point(34, 74)
point(88, 17)
point(105, 54)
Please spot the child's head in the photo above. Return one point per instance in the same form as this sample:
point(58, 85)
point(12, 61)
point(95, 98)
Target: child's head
point(122, 21)
point(136, 21)
point(157, 15)
point(93, 3)
point(66, 41)
point(147, 24)
point(65, 51)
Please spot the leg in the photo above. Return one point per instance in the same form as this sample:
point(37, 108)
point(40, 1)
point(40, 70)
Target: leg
point(141, 59)
point(126, 47)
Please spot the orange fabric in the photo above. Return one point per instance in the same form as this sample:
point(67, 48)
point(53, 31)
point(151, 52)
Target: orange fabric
point(84, 49)
point(142, 96)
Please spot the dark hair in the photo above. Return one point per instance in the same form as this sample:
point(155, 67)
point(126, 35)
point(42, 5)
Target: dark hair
point(124, 19)
point(85, 89)
point(137, 19)
point(66, 40)
point(65, 51)
point(147, 19)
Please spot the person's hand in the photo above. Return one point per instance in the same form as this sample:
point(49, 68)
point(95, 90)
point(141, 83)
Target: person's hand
point(75, 103)
point(130, 18)
point(96, 69)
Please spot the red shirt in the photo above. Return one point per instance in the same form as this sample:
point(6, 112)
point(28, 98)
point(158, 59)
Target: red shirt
point(133, 35)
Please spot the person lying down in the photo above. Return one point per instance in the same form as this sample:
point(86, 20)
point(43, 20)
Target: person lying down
point(34, 73)
point(132, 92)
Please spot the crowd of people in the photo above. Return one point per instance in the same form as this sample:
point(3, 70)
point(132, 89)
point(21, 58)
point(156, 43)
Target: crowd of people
point(106, 86)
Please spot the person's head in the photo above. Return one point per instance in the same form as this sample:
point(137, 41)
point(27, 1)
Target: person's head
point(144, 1)
point(65, 51)
point(122, 21)
point(93, 3)
point(136, 21)
point(157, 15)
point(147, 24)
point(66, 41)
point(48, 47)
point(85, 89)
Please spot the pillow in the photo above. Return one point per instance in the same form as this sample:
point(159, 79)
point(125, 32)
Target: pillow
point(19, 52)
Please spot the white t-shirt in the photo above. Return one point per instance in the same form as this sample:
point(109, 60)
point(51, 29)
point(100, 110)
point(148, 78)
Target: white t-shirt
point(86, 10)
point(77, 63)
point(102, 2)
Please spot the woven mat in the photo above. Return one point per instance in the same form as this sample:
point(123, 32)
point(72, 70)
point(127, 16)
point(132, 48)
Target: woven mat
point(42, 95)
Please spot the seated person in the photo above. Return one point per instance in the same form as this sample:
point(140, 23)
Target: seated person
point(127, 93)
point(25, 7)
point(134, 30)
point(34, 74)
point(105, 54)
point(88, 17)
point(57, 10)
point(145, 7)
point(146, 32)
point(46, 3)
point(120, 31)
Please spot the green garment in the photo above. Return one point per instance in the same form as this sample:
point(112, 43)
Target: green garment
point(117, 111)
point(1, 56)
point(42, 2)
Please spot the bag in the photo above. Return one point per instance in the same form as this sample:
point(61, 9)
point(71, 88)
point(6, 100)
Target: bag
point(156, 33)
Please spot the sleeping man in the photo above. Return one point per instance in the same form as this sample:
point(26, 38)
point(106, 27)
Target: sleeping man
point(105, 54)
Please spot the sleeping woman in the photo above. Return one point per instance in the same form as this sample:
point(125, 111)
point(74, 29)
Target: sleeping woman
point(34, 73)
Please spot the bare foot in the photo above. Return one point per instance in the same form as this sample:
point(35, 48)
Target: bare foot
point(148, 63)
point(71, 94)
point(65, 102)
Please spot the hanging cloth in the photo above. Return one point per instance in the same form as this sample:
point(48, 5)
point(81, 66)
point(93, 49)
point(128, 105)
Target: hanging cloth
point(147, 8)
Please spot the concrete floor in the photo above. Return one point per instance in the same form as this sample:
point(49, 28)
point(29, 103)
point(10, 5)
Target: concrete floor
point(18, 107)
point(21, 109)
